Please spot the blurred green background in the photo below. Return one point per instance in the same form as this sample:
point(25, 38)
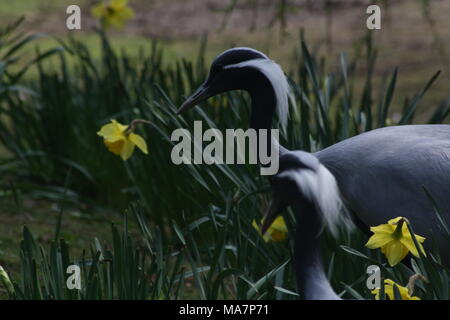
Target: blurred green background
point(413, 37)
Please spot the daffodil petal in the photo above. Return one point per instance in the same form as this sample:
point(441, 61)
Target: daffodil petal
point(378, 240)
point(115, 146)
point(404, 292)
point(139, 142)
point(394, 221)
point(111, 132)
point(127, 149)
point(409, 243)
point(389, 290)
point(376, 292)
point(273, 234)
point(279, 224)
point(120, 127)
point(407, 235)
point(395, 252)
point(382, 228)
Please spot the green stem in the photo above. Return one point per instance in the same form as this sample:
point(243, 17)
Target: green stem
point(133, 124)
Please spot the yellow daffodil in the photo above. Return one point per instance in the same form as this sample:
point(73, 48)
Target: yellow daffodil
point(389, 291)
point(113, 13)
point(395, 240)
point(276, 232)
point(120, 139)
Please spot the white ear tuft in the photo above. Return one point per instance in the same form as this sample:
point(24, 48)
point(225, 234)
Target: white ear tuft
point(277, 78)
point(321, 188)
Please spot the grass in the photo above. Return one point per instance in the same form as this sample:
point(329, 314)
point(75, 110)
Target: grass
point(179, 223)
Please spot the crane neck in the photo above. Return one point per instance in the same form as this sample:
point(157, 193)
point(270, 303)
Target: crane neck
point(264, 102)
point(312, 281)
point(263, 107)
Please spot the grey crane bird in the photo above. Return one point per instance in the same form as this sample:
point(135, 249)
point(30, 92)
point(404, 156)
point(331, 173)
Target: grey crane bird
point(380, 173)
point(305, 184)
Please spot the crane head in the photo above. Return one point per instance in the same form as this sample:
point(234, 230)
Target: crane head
point(226, 75)
point(286, 187)
point(301, 177)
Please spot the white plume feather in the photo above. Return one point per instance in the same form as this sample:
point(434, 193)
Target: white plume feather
point(277, 78)
point(320, 187)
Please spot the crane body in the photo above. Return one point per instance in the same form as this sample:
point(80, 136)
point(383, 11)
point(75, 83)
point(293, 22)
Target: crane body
point(382, 175)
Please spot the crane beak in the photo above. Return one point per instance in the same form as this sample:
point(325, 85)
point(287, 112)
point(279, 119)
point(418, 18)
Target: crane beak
point(271, 214)
point(198, 96)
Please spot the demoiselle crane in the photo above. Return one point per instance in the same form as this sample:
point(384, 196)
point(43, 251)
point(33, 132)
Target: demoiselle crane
point(381, 174)
point(303, 183)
